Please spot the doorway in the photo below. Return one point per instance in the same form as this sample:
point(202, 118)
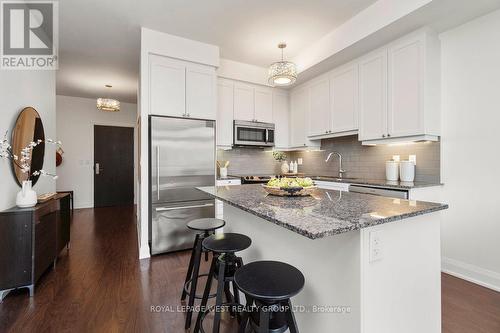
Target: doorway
point(113, 166)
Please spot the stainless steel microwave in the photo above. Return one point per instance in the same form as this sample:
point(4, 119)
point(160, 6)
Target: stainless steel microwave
point(251, 133)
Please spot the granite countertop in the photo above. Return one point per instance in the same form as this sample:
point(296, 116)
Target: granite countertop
point(325, 213)
point(376, 182)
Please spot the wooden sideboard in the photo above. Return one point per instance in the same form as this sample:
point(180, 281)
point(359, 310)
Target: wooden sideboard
point(30, 242)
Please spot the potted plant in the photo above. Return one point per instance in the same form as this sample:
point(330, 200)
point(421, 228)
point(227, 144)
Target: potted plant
point(280, 156)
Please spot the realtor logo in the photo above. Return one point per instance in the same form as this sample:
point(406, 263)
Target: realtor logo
point(29, 35)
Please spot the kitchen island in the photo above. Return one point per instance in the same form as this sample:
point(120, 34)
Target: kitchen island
point(372, 264)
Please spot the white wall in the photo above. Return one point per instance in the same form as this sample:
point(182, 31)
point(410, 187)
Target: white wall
point(19, 89)
point(470, 154)
point(76, 118)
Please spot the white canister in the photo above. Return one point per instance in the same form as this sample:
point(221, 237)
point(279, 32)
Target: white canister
point(223, 172)
point(407, 171)
point(392, 170)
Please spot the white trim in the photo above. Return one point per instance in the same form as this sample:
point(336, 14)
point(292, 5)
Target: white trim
point(402, 139)
point(144, 252)
point(112, 124)
point(83, 205)
point(471, 273)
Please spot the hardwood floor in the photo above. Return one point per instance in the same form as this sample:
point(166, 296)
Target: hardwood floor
point(469, 308)
point(100, 286)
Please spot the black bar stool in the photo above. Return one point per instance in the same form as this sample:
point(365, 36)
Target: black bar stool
point(268, 287)
point(204, 228)
point(223, 268)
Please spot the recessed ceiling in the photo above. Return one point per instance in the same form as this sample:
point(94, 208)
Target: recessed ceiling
point(100, 39)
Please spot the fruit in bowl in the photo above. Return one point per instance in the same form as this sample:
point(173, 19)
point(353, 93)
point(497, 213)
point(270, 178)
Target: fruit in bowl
point(290, 182)
point(290, 186)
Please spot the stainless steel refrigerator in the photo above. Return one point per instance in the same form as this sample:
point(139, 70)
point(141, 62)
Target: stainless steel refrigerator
point(182, 157)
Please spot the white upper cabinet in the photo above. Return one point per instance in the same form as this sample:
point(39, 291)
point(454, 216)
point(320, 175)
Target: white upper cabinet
point(244, 102)
point(298, 115)
point(200, 91)
point(407, 74)
point(405, 107)
point(281, 116)
point(344, 99)
point(225, 102)
point(373, 96)
point(263, 105)
point(167, 86)
point(253, 103)
point(319, 119)
point(181, 89)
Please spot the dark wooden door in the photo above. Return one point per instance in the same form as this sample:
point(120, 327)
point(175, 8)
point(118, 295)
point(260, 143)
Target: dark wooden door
point(113, 166)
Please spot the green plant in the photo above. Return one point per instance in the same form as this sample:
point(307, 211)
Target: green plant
point(279, 156)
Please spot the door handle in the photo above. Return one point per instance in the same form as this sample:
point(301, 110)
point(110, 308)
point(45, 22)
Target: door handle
point(163, 209)
point(98, 169)
point(158, 172)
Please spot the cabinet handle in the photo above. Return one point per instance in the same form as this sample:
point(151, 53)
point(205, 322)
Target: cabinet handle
point(388, 135)
point(383, 135)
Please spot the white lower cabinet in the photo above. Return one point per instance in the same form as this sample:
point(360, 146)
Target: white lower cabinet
point(333, 186)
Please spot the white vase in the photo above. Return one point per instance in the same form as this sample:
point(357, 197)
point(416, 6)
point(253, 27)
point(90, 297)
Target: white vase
point(284, 167)
point(27, 196)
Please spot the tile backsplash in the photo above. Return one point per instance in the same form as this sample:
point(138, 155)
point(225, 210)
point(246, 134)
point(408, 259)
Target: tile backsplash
point(249, 161)
point(359, 161)
point(369, 161)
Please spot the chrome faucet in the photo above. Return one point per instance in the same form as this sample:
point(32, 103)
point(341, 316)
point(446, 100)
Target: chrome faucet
point(341, 171)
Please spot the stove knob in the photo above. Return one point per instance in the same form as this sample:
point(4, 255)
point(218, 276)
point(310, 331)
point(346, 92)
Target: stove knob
point(251, 177)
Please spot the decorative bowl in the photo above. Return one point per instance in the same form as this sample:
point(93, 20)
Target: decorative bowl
point(289, 191)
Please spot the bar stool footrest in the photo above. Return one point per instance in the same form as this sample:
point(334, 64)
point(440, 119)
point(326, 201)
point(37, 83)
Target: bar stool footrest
point(207, 310)
point(188, 284)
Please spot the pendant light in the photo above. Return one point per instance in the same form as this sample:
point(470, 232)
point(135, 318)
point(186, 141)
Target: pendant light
point(282, 73)
point(108, 104)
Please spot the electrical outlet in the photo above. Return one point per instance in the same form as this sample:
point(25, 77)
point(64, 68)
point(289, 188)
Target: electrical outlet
point(376, 246)
point(413, 158)
point(396, 158)
point(299, 161)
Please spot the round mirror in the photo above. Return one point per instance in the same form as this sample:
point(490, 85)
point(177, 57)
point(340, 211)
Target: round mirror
point(28, 128)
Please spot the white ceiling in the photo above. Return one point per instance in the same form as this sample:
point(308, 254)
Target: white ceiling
point(100, 39)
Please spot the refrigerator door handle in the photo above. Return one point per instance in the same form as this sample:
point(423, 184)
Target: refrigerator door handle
point(163, 209)
point(158, 172)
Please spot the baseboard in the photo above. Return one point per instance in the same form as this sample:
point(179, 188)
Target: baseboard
point(471, 273)
point(144, 252)
point(80, 205)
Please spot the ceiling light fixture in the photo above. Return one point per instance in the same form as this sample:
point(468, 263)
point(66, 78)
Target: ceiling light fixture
point(282, 73)
point(108, 104)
